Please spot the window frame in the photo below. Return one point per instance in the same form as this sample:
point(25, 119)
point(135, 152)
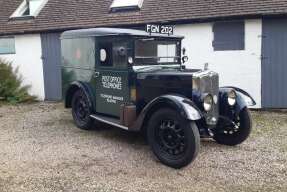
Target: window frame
point(115, 8)
point(113, 41)
point(178, 52)
point(68, 56)
point(22, 8)
point(13, 46)
point(229, 35)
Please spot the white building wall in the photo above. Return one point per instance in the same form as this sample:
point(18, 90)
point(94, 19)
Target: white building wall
point(28, 59)
point(236, 68)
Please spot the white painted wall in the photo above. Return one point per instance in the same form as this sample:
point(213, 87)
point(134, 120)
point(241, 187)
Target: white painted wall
point(28, 59)
point(236, 68)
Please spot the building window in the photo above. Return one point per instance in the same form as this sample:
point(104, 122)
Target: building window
point(29, 8)
point(119, 5)
point(229, 36)
point(7, 45)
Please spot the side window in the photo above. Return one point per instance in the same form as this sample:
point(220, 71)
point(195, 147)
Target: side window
point(79, 52)
point(229, 36)
point(7, 45)
point(106, 54)
point(112, 52)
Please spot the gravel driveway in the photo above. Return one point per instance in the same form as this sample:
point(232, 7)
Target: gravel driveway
point(42, 150)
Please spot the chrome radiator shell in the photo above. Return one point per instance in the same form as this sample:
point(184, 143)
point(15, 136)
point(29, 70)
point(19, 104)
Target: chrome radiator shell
point(207, 82)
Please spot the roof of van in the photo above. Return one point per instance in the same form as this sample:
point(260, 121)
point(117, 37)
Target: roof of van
point(111, 31)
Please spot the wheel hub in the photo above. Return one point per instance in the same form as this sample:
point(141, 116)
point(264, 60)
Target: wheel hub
point(230, 127)
point(171, 137)
point(82, 108)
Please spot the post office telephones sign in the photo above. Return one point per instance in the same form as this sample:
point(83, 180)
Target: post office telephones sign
point(162, 29)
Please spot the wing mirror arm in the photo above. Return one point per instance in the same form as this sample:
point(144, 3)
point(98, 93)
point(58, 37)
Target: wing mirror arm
point(184, 57)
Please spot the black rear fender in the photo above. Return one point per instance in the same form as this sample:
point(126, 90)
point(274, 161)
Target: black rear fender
point(75, 86)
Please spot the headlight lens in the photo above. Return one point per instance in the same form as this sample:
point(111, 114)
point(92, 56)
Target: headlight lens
point(207, 102)
point(231, 97)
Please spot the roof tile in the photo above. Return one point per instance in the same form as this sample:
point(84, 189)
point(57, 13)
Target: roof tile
point(71, 14)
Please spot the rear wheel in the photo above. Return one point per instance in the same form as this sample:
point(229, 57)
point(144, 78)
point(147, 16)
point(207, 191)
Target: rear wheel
point(174, 140)
point(81, 110)
point(236, 133)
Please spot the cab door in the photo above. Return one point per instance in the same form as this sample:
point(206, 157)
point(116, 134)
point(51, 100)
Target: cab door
point(111, 76)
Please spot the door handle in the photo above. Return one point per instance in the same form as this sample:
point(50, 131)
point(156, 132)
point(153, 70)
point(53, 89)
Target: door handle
point(96, 74)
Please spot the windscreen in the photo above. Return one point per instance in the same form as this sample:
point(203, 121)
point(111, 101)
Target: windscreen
point(152, 52)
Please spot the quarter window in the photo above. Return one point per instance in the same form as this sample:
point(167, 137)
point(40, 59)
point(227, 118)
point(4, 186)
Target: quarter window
point(229, 36)
point(7, 45)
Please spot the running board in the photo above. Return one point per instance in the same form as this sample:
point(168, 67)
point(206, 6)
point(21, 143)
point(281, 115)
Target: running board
point(109, 120)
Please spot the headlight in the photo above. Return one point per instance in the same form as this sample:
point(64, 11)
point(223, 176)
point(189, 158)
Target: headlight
point(207, 102)
point(231, 97)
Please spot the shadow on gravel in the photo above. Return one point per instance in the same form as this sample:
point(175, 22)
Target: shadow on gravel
point(210, 143)
point(120, 135)
point(138, 138)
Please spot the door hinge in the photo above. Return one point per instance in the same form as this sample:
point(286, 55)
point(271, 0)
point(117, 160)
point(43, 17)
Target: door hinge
point(262, 57)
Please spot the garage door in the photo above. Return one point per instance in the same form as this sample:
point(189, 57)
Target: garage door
point(274, 63)
point(51, 55)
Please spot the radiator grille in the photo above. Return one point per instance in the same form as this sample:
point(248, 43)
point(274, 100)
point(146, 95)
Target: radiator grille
point(208, 82)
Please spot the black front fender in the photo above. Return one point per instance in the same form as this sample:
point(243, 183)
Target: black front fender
point(245, 96)
point(184, 106)
point(243, 100)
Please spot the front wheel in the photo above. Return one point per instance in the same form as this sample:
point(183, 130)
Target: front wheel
point(236, 133)
point(174, 140)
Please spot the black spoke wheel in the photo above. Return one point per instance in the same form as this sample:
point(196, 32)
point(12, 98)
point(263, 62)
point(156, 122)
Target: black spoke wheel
point(237, 132)
point(81, 110)
point(174, 140)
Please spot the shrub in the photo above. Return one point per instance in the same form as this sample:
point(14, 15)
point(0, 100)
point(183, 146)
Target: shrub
point(11, 88)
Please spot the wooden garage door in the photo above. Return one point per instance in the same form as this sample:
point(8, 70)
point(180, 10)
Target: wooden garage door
point(51, 55)
point(274, 63)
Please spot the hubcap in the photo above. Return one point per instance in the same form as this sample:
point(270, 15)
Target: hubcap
point(170, 137)
point(231, 129)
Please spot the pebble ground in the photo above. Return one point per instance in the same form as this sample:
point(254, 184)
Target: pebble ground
point(42, 151)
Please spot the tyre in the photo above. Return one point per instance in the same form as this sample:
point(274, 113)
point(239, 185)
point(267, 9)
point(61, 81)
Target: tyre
point(235, 134)
point(81, 110)
point(174, 140)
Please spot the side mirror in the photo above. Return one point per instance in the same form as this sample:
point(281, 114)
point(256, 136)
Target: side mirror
point(184, 59)
point(183, 51)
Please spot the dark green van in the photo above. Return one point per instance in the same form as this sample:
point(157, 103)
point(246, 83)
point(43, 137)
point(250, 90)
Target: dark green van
point(137, 81)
